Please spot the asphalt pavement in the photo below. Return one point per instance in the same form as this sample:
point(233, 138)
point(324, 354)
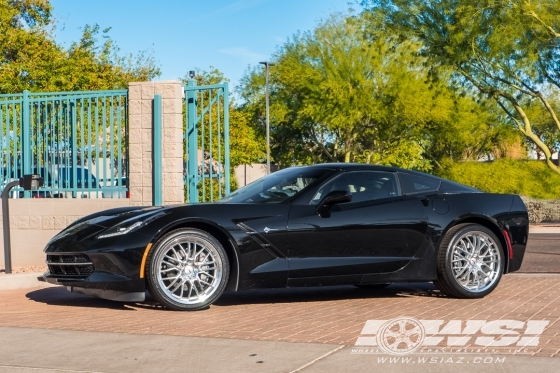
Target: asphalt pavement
point(542, 254)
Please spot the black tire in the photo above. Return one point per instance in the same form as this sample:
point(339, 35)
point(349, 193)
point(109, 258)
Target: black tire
point(199, 279)
point(372, 286)
point(454, 260)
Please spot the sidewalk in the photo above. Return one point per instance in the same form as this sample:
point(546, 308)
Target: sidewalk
point(74, 351)
point(15, 281)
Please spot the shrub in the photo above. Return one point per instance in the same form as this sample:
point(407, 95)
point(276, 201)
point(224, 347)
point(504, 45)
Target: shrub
point(524, 177)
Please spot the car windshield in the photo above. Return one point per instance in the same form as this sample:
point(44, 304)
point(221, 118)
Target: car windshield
point(277, 187)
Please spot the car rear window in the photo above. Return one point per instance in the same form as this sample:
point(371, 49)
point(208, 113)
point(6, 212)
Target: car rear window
point(413, 184)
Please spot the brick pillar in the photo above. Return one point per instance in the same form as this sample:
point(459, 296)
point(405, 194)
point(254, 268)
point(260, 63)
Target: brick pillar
point(140, 121)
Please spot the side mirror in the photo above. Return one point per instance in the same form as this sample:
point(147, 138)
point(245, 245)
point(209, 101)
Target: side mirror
point(334, 197)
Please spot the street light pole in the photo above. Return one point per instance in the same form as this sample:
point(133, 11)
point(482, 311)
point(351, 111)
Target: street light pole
point(267, 64)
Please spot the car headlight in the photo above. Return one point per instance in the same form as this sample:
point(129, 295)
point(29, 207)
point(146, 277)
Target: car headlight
point(132, 224)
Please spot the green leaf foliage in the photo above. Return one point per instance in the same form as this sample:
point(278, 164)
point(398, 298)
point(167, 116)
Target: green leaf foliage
point(506, 50)
point(31, 59)
point(344, 92)
point(528, 178)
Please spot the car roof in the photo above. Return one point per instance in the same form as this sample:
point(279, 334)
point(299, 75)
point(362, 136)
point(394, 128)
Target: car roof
point(354, 166)
point(451, 185)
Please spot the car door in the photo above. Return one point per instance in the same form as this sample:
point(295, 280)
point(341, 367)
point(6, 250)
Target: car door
point(378, 231)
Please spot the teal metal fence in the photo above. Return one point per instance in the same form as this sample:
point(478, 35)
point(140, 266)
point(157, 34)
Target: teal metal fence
point(77, 141)
point(206, 140)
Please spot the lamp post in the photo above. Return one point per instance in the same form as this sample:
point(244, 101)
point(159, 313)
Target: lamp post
point(267, 65)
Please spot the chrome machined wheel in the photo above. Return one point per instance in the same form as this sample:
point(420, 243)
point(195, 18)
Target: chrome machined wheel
point(187, 270)
point(475, 261)
point(470, 261)
point(190, 269)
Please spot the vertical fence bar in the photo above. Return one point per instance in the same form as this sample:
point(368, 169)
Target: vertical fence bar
point(157, 155)
point(104, 134)
point(211, 159)
point(26, 137)
point(5, 144)
point(74, 149)
point(192, 143)
point(119, 146)
point(112, 141)
point(85, 185)
point(226, 136)
point(220, 176)
point(89, 138)
point(203, 150)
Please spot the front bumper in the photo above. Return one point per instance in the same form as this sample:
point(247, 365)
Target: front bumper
point(102, 285)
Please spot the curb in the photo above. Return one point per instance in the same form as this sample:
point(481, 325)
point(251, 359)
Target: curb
point(22, 281)
point(541, 229)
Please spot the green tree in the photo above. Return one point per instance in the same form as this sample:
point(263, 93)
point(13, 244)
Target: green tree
point(507, 50)
point(31, 59)
point(338, 94)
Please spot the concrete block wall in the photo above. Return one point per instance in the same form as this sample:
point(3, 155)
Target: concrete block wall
point(33, 222)
point(140, 111)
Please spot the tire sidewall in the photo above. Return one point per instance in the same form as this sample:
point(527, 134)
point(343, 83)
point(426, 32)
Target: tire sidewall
point(449, 254)
point(152, 270)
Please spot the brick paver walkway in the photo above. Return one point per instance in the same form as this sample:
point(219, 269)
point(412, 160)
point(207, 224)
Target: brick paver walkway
point(320, 315)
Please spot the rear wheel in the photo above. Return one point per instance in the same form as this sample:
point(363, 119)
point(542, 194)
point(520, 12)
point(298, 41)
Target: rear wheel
point(470, 262)
point(187, 270)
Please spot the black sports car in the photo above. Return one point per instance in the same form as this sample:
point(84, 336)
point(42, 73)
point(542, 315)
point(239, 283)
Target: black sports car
point(326, 224)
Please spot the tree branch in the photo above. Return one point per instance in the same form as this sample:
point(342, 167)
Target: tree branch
point(323, 148)
point(549, 108)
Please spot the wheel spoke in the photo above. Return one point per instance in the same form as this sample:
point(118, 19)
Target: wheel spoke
point(206, 273)
point(190, 291)
point(171, 258)
point(194, 287)
point(174, 281)
point(204, 282)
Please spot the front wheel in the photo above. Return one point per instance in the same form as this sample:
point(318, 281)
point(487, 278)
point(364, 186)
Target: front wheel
point(187, 270)
point(470, 262)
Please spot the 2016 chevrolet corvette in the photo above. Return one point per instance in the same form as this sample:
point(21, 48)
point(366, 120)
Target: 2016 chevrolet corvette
point(326, 224)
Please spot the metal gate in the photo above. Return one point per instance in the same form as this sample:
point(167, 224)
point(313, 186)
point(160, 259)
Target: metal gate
point(206, 141)
point(77, 141)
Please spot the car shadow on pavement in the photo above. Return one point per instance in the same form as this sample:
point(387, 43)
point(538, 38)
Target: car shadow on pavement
point(59, 296)
point(325, 294)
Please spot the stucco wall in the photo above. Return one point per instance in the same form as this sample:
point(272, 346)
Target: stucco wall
point(33, 222)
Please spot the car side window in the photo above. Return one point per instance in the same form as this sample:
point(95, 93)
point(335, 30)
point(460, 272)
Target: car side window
point(413, 184)
point(363, 185)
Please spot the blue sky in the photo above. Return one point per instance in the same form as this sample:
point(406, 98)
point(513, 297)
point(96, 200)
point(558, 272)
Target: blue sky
point(184, 34)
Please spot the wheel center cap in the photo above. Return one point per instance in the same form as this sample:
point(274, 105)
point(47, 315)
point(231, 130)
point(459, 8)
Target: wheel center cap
point(188, 271)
